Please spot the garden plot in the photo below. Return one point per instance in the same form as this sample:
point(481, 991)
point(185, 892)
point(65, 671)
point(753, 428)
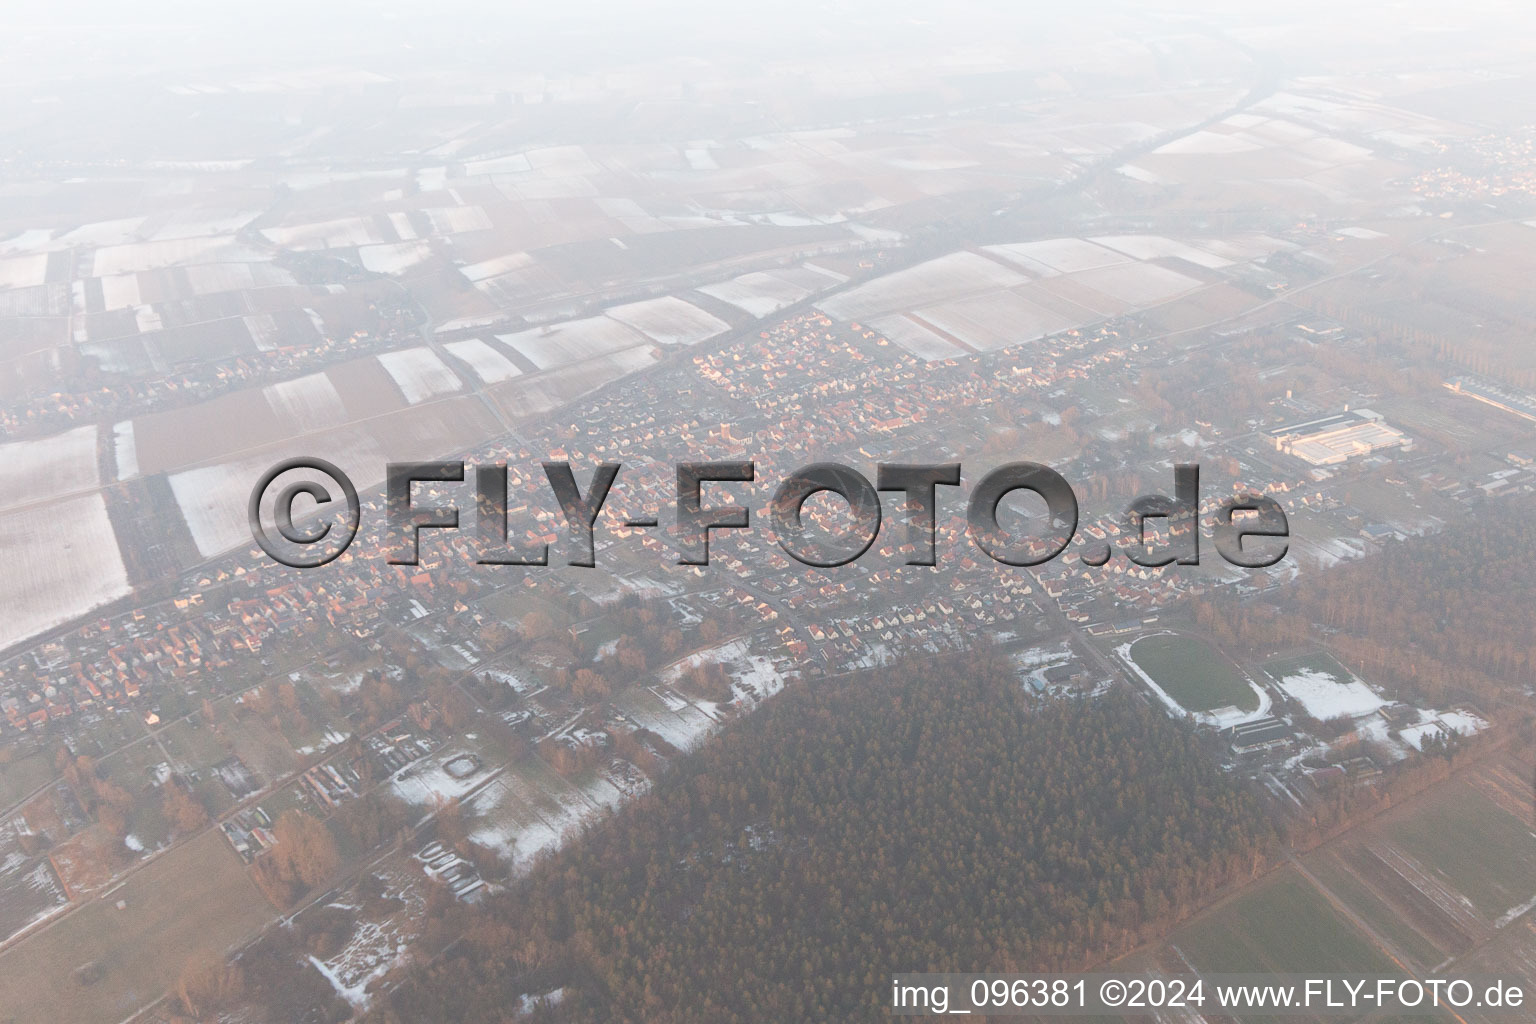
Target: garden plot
point(530, 808)
point(378, 943)
point(669, 320)
point(307, 403)
point(754, 678)
point(1057, 256)
point(488, 364)
point(995, 321)
point(571, 342)
point(927, 345)
point(940, 280)
point(62, 561)
point(507, 677)
point(1440, 727)
point(446, 775)
point(669, 715)
point(29, 889)
point(420, 374)
point(28, 897)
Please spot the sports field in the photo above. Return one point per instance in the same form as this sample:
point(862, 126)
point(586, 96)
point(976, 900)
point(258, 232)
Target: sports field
point(1192, 672)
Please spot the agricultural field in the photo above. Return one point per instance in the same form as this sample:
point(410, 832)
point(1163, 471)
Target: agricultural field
point(23, 773)
point(1406, 894)
point(763, 293)
point(112, 956)
point(1282, 925)
point(1496, 873)
point(63, 561)
point(1191, 673)
point(669, 320)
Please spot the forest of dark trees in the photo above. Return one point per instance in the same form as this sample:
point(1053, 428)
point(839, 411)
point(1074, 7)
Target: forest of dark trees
point(1444, 617)
point(928, 816)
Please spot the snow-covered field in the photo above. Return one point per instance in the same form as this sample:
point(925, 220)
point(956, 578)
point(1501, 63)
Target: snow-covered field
point(212, 499)
point(938, 280)
point(125, 450)
point(127, 259)
point(1326, 696)
point(1139, 284)
point(571, 342)
point(32, 471)
point(394, 257)
point(1149, 247)
point(24, 271)
point(671, 716)
point(331, 234)
point(1033, 662)
point(495, 267)
point(1327, 552)
point(916, 339)
point(762, 293)
point(488, 364)
point(210, 278)
point(1057, 256)
point(61, 560)
point(669, 320)
point(420, 374)
point(1207, 143)
point(1439, 725)
point(450, 220)
point(119, 291)
point(308, 403)
point(996, 320)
